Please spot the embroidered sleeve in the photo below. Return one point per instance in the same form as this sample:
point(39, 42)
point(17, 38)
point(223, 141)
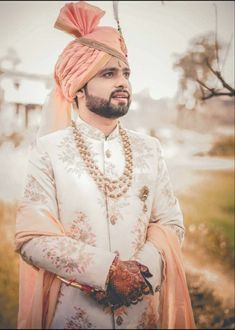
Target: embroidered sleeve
point(149, 256)
point(39, 186)
point(67, 257)
point(70, 259)
point(166, 208)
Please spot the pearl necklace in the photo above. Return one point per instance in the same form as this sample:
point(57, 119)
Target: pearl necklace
point(111, 188)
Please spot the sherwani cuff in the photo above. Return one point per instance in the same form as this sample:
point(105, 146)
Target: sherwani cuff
point(98, 273)
point(151, 258)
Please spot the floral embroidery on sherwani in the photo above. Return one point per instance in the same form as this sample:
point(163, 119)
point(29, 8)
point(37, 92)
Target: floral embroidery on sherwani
point(167, 189)
point(142, 152)
point(69, 154)
point(116, 207)
point(65, 262)
point(148, 319)
point(33, 190)
point(45, 159)
point(139, 232)
point(79, 320)
point(81, 229)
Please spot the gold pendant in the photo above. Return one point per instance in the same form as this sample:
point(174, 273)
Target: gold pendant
point(113, 219)
point(143, 195)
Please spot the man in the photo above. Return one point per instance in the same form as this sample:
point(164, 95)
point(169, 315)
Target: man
point(92, 193)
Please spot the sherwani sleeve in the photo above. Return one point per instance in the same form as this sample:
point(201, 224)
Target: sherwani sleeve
point(165, 210)
point(65, 256)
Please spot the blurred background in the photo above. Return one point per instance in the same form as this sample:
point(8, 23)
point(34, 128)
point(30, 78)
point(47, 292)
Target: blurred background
point(181, 55)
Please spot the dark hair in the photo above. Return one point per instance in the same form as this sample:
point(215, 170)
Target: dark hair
point(76, 98)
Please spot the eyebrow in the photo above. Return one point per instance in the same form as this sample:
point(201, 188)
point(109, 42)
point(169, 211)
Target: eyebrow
point(113, 69)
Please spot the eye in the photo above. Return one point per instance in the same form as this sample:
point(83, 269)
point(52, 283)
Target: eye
point(127, 74)
point(108, 74)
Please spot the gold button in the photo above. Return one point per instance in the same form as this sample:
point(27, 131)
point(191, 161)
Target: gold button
point(113, 219)
point(108, 153)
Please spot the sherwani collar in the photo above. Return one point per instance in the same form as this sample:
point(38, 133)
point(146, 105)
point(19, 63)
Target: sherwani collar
point(94, 132)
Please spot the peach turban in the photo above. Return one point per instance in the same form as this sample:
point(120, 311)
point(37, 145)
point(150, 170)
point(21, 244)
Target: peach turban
point(81, 59)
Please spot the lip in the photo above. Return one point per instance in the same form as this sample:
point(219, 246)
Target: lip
point(120, 99)
point(120, 95)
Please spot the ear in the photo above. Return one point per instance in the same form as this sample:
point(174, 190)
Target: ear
point(81, 93)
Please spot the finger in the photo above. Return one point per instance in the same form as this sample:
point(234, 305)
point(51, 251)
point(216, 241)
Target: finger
point(142, 268)
point(149, 285)
point(135, 294)
point(137, 297)
point(146, 273)
point(140, 298)
point(146, 290)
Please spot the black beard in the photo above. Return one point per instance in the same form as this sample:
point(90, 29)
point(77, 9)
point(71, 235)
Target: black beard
point(104, 108)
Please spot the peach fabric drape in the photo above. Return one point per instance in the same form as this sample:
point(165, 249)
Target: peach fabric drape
point(175, 310)
point(38, 289)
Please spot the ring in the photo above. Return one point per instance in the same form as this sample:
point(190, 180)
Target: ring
point(146, 290)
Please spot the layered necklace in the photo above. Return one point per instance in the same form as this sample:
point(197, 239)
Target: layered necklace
point(111, 188)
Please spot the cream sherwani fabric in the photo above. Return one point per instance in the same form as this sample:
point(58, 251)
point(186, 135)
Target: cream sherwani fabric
point(99, 228)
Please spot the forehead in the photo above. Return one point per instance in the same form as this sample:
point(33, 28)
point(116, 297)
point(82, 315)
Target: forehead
point(115, 62)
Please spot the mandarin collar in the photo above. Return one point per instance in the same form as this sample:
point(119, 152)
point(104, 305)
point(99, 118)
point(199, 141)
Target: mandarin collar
point(94, 132)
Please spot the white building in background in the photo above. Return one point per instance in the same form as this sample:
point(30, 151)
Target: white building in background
point(21, 97)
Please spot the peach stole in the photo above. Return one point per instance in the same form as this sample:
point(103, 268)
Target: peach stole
point(175, 310)
point(38, 288)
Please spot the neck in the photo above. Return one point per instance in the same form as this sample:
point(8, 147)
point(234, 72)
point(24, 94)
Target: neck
point(106, 125)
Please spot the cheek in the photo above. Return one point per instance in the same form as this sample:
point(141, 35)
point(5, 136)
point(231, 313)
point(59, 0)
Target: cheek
point(101, 89)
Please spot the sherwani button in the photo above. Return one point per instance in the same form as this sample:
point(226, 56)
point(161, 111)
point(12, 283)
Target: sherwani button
point(157, 288)
point(119, 320)
point(108, 153)
point(113, 219)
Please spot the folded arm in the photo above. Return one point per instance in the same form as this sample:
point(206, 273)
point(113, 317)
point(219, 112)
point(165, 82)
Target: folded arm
point(58, 253)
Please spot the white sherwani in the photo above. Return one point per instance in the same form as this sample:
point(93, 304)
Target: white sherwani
point(98, 227)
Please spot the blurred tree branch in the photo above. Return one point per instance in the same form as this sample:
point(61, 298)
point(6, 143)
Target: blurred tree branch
point(213, 91)
point(199, 78)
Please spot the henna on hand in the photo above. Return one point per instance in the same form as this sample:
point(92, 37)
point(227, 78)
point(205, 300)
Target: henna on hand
point(129, 280)
point(127, 283)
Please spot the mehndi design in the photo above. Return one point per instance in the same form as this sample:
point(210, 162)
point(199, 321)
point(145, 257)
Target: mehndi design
point(127, 283)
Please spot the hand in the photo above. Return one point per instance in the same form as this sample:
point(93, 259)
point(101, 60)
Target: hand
point(128, 281)
point(127, 284)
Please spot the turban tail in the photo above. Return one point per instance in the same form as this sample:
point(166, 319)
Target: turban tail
point(80, 61)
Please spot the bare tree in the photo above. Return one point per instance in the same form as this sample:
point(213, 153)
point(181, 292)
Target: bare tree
point(201, 68)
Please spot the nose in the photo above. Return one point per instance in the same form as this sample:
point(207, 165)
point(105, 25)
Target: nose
point(122, 82)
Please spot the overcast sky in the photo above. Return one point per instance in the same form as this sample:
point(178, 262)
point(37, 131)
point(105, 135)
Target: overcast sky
point(153, 32)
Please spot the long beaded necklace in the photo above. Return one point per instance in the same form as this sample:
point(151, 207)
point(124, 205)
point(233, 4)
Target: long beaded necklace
point(111, 188)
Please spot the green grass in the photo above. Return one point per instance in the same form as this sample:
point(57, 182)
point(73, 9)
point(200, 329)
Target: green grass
point(208, 209)
point(8, 268)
